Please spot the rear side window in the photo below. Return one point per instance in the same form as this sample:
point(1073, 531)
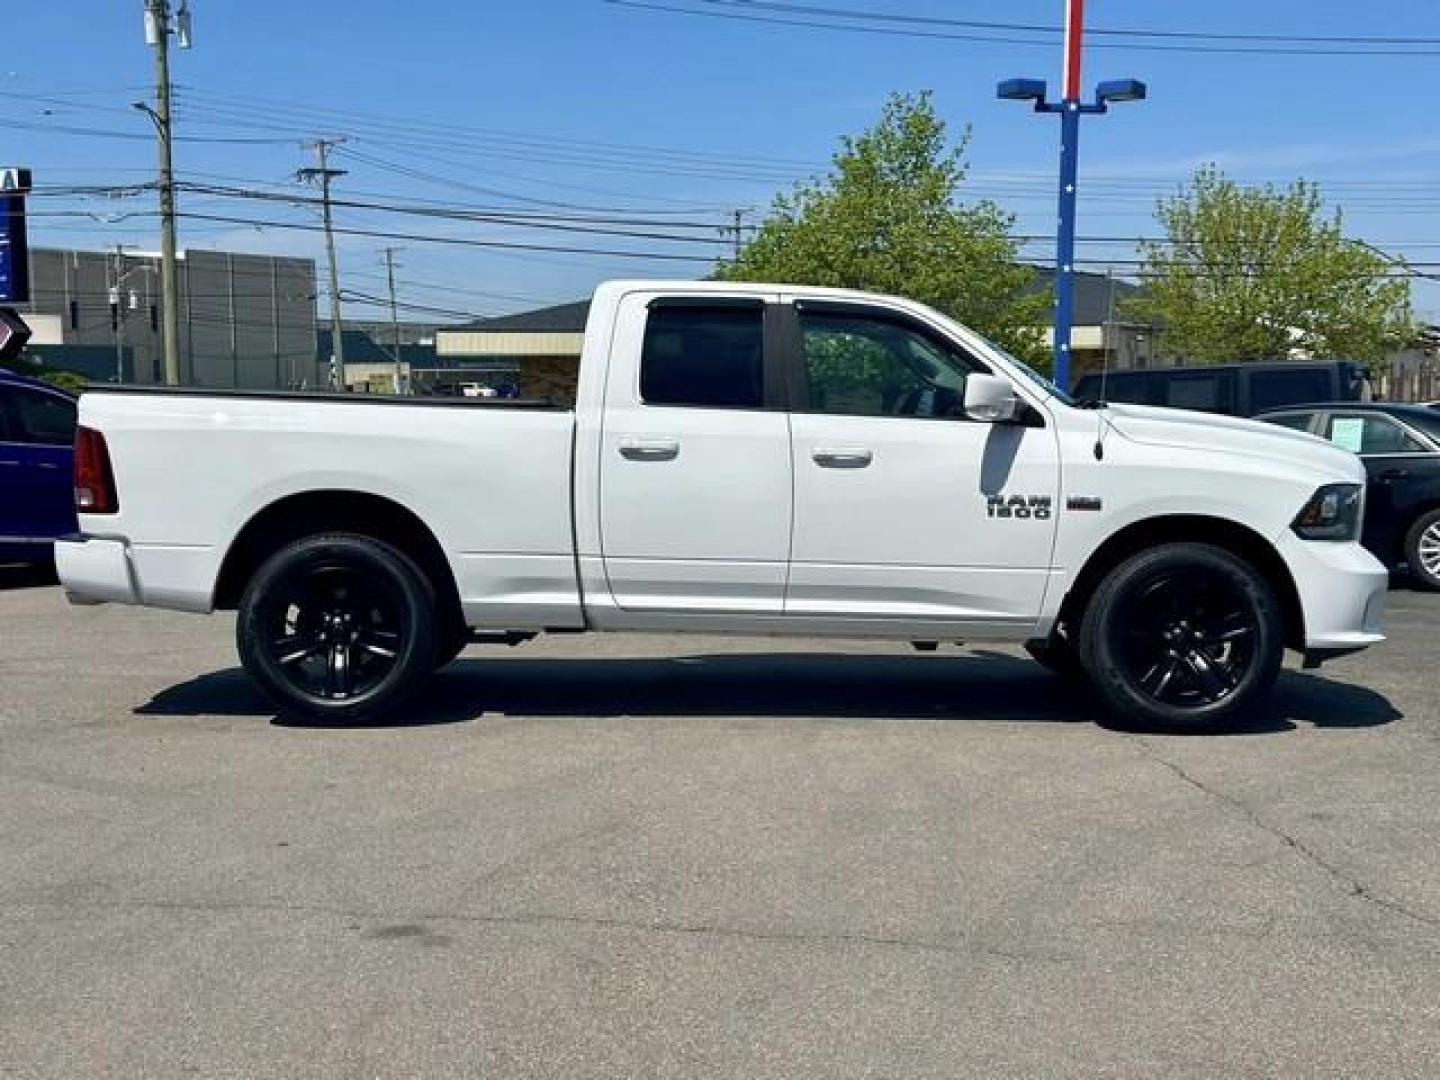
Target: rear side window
point(707, 357)
point(1276, 389)
point(1296, 421)
point(37, 417)
point(1207, 391)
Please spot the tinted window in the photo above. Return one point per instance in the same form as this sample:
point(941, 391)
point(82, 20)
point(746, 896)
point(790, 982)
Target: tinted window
point(1208, 391)
point(1132, 387)
point(38, 417)
point(1298, 421)
point(1371, 435)
point(708, 357)
point(859, 365)
point(1276, 389)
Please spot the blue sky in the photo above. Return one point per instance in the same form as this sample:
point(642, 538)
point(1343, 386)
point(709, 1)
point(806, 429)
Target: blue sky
point(554, 104)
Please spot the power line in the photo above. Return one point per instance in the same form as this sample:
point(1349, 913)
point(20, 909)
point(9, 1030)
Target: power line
point(829, 23)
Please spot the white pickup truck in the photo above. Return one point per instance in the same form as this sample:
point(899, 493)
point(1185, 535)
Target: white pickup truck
point(759, 459)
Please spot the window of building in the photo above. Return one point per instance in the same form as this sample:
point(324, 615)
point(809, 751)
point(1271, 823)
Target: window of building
point(709, 357)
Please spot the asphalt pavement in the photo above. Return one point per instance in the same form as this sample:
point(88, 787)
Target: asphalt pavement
point(705, 857)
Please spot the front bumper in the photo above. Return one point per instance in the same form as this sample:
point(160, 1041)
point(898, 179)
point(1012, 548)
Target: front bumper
point(96, 570)
point(1342, 591)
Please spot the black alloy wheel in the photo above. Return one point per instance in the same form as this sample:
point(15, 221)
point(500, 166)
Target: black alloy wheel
point(1183, 637)
point(338, 627)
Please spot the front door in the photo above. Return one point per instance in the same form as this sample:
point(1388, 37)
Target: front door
point(905, 509)
point(695, 488)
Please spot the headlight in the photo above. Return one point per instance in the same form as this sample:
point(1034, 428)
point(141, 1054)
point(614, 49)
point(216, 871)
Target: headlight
point(1333, 513)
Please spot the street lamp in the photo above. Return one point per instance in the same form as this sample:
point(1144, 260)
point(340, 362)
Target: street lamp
point(1071, 108)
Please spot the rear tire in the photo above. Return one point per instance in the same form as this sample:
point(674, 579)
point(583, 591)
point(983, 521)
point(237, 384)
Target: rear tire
point(1182, 638)
point(338, 628)
point(1422, 551)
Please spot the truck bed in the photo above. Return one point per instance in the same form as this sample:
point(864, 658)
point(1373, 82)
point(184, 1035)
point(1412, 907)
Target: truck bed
point(489, 478)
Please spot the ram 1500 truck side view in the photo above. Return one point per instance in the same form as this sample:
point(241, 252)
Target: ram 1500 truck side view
point(741, 458)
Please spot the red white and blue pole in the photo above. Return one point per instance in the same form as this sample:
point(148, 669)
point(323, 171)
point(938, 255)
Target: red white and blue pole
point(1070, 108)
point(1069, 170)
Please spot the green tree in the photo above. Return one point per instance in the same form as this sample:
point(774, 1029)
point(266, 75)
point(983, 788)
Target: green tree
point(887, 217)
point(1252, 272)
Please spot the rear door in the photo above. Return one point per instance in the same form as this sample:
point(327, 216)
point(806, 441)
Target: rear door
point(695, 482)
point(905, 509)
point(37, 462)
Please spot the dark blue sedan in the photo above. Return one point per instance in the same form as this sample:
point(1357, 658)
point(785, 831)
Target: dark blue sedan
point(37, 494)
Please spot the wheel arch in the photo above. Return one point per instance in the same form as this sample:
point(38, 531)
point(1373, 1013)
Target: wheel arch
point(307, 513)
point(1228, 535)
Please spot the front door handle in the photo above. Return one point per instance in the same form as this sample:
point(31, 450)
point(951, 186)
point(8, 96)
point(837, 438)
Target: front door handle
point(1394, 474)
point(848, 457)
point(649, 449)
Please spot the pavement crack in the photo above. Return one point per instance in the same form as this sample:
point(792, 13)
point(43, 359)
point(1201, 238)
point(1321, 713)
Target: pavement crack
point(1352, 885)
point(802, 937)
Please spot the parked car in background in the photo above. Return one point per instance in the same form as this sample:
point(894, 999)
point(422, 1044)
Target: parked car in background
point(37, 497)
point(1400, 446)
point(1244, 389)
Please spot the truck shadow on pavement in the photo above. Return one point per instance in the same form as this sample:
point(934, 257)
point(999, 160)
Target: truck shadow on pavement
point(26, 576)
point(975, 687)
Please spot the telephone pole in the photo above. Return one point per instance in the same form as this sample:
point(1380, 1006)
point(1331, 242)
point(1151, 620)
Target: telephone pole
point(159, 25)
point(737, 230)
point(394, 315)
point(324, 174)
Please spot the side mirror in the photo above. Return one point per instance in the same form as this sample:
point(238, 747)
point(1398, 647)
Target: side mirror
point(990, 399)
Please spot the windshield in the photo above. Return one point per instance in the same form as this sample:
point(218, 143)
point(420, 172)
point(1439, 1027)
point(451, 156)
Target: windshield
point(1030, 373)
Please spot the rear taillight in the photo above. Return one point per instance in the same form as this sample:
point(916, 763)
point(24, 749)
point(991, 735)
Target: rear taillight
point(94, 480)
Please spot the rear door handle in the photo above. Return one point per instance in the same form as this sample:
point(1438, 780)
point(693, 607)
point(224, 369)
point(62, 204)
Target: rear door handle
point(836, 457)
point(1394, 474)
point(649, 449)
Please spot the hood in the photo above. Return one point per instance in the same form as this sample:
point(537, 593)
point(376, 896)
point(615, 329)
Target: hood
point(1215, 433)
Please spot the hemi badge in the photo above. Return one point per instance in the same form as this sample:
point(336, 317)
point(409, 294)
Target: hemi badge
point(1083, 502)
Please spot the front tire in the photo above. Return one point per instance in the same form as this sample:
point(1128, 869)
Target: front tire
point(338, 628)
point(1422, 551)
point(1182, 638)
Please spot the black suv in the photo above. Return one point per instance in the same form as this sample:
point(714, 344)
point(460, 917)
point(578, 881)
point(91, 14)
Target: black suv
point(1243, 389)
point(1400, 445)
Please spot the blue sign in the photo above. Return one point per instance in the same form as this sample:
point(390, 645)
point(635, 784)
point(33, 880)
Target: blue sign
point(14, 251)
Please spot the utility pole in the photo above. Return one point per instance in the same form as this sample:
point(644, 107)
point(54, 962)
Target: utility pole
point(117, 313)
point(394, 315)
point(324, 174)
point(737, 230)
point(158, 28)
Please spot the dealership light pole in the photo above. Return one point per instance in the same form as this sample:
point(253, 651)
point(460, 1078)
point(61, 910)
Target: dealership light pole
point(159, 25)
point(1070, 108)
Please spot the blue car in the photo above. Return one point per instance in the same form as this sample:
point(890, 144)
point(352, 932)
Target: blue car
point(37, 494)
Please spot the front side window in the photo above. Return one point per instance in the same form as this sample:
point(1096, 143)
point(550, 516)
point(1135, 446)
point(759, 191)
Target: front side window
point(861, 365)
point(709, 357)
point(1372, 435)
point(37, 417)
